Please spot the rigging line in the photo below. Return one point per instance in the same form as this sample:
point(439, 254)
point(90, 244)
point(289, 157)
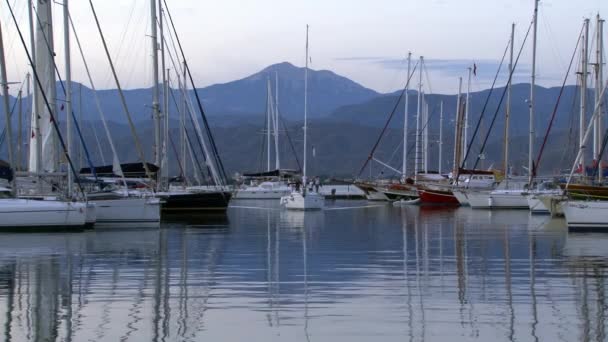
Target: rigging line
point(56, 69)
point(485, 141)
point(388, 121)
point(559, 97)
point(3, 135)
point(171, 92)
point(138, 147)
point(216, 154)
point(485, 106)
point(293, 149)
point(200, 145)
point(194, 156)
point(432, 113)
point(428, 79)
point(97, 103)
point(46, 102)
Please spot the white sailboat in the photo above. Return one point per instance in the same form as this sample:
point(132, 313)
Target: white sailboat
point(512, 195)
point(46, 213)
point(304, 199)
point(269, 185)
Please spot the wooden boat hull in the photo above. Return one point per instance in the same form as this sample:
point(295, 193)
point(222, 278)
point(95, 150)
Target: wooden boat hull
point(437, 197)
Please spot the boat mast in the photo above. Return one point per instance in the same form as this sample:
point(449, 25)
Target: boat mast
point(35, 155)
point(599, 77)
point(276, 123)
point(532, 85)
point(425, 133)
point(458, 136)
point(418, 112)
point(439, 164)
point(508, 112)
point(583, 90)
point(68, 93)
point(305, 115)
point(268, 122)
point(405, 117)
point(465, 143)
point(183, 124)
point(155, 88)
point(164, 171)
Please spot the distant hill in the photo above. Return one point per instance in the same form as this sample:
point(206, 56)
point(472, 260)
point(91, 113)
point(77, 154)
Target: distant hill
point(346, 119)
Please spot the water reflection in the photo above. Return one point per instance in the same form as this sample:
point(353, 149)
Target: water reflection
point(380, 273)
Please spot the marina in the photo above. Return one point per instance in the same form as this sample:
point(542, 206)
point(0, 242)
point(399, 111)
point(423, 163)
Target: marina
point(351, 272)
point(461, 200)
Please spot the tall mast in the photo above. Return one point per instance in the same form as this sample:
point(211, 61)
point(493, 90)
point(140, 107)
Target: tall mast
point(508, 112)
point(458, 137)
point(418, 113)
point(68, 81)
point(532, 85)
point(166, 84)
point(465, 139)
point(406, 116)
point(5, 99)
point(35, 155)
point(155, 89)
point(583, 89)
point(439, 164)
point(19, 130)
point(277, 160)
point(305, 114)
point(268, 122)
point(183, 125)
point(426, 135)
point(599, 77)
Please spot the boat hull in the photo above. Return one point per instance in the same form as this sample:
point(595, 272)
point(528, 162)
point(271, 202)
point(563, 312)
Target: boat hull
point(186, 201)
point(436, 197)
point(498, 200)
point(296, 201)
point(586, 215)
point(128, 212)
point(28, 214)
point(553, 203)
point(261, 194)
point(461, 196)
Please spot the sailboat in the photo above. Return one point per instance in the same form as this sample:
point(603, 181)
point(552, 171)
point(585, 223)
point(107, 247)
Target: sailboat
point(182, 199)
point(512, 194)
point(271, 184)
point(26, 213)
point(304, 198)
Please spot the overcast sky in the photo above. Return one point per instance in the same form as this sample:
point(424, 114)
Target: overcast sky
point(364, 40)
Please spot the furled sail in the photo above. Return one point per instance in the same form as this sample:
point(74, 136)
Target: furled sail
point(42, 131)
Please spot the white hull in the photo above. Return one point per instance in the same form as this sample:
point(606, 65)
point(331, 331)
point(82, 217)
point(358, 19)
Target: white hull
point(461, 196)
point(261, 194)
point(90, 215)
point(295, 201)
point(18, 213)
point(498, 199)
point(128, 212)
point(586, 214)
point(553, 203)
point(376, 196)
point(537, 206)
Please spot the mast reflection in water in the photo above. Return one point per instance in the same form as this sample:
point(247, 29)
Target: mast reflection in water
point(367, 273)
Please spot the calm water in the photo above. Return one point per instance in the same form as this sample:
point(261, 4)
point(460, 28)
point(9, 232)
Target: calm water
point(261, 274)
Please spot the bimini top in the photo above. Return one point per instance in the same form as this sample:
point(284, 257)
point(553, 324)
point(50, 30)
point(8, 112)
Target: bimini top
point(273, 173)
point(134, 170)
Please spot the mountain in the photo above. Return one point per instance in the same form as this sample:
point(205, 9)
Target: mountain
point(327, 91)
